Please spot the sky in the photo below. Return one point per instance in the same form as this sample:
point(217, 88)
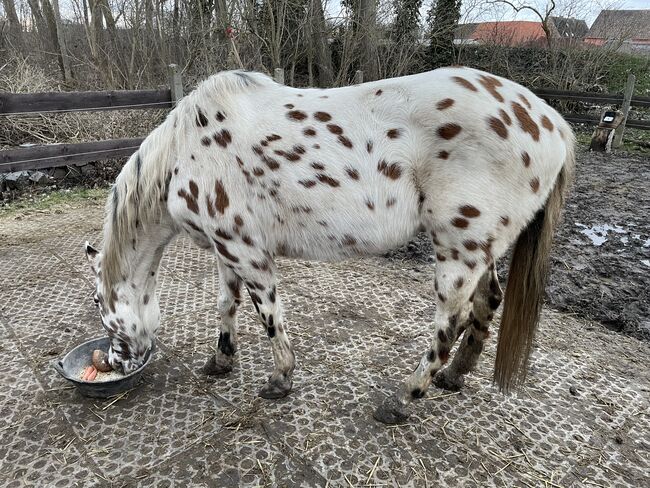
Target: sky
point(478, 11)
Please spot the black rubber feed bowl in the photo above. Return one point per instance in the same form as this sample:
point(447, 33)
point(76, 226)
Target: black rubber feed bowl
point(79, 358)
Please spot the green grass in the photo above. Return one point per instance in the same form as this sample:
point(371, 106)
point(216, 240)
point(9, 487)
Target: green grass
point(631, 140)
point(52, 200)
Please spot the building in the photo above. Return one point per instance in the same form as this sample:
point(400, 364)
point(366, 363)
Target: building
point(520, 33)
point(627, 30)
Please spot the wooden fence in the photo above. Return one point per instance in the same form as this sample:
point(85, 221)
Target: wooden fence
point(54, 155)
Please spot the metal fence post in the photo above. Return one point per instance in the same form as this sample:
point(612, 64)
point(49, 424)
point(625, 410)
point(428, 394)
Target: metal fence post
point(358, 77)
point(278, 75)
point(627, 98)
point(175, 84)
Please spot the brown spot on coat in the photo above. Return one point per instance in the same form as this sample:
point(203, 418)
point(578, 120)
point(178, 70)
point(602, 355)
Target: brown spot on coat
point(307, 183)
point(309, 132)
point(297, 115)
point(546, 123)
point(497, 126)
point(328, 180)
point(464, 83)
point(222, 234)
point(525, 157)
point(443, 154)
point(192, 205)
point(525, 100)
point(534, 185)
point(220, 117)
point(505, 221)
point(370, 205)
point(335, 129)
point(525, 122)
point(390, 202)
point(194, 189)
point(505, 117)
point(470, 245)
point(459, 282)
point(211, 210)
point(289, 105)
point(345, 141)
point(322, 116)
point(221, 201)
point(470, 264)
point(369, 146)
point(318, 166)
point(440, 257)
point(379, 92)
point(222, 138)
point(490, 83)
point(469, 211)
point(349, 240)
point(223, 250)
point(239, 221)
point(201, 119)
point(270, 162)
point(392, 171)
point(449, 131)
point(444, 104)
point(454, 254)
point(258, 171)
point(393, 133)
point(205, 140)
point(460, 222)
point(352, 173)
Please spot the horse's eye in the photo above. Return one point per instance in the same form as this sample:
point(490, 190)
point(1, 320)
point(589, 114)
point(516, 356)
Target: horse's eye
point(96, 299)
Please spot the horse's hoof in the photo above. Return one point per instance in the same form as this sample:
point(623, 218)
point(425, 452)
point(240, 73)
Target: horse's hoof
point(214, 367)
point(449, 381)
point(391, 412)
point(274, 389)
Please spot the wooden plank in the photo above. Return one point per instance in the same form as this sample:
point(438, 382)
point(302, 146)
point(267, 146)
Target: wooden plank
point(54, 155)
point(613, 98)
point(588, 119)
point(83, 101)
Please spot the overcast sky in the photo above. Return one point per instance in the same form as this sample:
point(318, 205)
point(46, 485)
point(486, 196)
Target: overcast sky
point(480, 11)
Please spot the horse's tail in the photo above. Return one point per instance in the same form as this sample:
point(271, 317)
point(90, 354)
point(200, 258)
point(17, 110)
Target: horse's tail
point(526, 282)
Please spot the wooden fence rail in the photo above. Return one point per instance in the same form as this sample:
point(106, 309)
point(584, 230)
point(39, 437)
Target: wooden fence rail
point(54, 155)
point(13, 103)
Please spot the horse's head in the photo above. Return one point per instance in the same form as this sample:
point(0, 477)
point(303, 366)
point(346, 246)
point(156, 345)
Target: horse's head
point(129, 311)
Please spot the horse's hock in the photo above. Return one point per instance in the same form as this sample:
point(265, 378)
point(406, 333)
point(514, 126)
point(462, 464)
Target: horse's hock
point(357, 328)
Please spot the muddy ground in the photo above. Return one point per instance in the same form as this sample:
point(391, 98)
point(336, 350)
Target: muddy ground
point(601, 257)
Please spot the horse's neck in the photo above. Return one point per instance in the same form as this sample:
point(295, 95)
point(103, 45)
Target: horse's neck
point(145, 252)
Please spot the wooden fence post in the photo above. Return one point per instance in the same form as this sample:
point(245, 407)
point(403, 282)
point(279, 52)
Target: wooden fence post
point(278, 75)
point(627, 98)
point(358, 77)
point(175, 84)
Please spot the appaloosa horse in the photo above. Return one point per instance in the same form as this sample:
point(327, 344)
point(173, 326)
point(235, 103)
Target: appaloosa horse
point(253, 170)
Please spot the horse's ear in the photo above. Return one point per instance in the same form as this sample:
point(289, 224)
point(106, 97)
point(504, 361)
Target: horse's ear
point(91, 254)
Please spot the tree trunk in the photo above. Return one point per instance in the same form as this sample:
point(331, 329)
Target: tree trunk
point(15, 30)
point(367, 38)
point(64, 59)
point(321, 48)
point(39, 20)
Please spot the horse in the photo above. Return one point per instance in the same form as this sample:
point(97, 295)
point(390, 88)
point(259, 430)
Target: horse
point(252, 170)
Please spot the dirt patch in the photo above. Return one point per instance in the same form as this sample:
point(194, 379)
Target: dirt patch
point(601, 257)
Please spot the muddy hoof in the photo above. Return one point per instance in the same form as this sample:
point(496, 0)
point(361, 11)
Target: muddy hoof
point(274, 389)
point(449, 381)
point(391, 412)
point(216, 367)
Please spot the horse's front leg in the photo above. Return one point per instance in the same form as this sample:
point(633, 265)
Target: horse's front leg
point(229, 299)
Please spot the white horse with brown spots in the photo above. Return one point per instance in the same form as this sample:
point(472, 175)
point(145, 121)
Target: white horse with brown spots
point(253, 170)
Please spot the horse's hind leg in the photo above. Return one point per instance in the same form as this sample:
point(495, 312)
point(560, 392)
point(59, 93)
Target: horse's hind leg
point(229, 299)
point(455, 282)
point(487, 299)
point(260, 281)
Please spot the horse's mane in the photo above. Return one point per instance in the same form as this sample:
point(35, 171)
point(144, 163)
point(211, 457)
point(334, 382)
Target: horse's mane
point(136, 200)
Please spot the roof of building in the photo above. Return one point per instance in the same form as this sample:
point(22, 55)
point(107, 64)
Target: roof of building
point(621, 24)
point(511, 33)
